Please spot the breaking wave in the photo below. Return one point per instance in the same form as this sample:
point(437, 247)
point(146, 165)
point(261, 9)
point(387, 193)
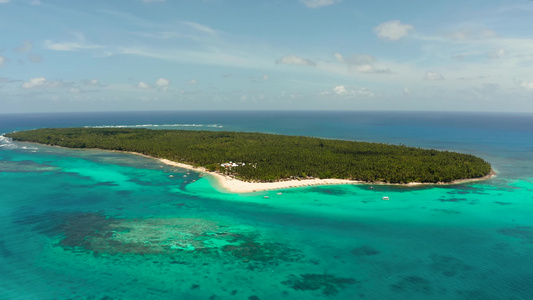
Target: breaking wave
point(7, 143)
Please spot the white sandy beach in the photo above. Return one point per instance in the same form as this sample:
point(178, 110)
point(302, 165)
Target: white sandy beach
point(233, 185)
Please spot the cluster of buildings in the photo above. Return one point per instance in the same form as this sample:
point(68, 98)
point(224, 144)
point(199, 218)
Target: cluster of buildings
point(230, 165)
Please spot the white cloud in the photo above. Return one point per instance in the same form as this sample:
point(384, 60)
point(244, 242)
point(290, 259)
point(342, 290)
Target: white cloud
point(75, 90)
point(68, 46)
point(266, 77)
point(339, 58)
point(392, 30)
point(34, 82)
point(4, 1)
point(142, 85)
point(39, 82)
point(228, 57)
point(35, 2)
point(80, 43)
point(2, 60)
point(360, 63)
point(192, 82)
point(162, 82)
point(496, 54)
point(26, 46)
point(294, 60)
point(91, 83)
point(362, 92)
point(528, 85)
point(433, 76)
point(319, 3)
point(342, 91)
point(470, 34)
point(200, 27)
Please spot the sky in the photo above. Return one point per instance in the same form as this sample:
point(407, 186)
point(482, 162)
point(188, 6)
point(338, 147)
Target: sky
point(139, 55)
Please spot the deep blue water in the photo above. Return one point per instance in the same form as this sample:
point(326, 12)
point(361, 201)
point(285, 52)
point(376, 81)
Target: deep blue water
point(88, 224)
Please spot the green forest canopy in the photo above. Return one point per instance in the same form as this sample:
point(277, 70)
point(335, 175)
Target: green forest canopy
point(268, 157)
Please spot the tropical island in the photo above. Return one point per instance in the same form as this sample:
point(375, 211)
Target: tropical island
point(260, 157)
point(267, 158)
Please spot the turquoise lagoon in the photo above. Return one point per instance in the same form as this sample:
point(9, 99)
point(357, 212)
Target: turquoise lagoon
point(88, 224)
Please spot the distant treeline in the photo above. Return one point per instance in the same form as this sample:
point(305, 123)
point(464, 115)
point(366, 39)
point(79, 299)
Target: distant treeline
point(269, 157)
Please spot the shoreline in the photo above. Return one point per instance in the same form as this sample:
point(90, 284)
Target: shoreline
point(230, 184)
point(233, 185)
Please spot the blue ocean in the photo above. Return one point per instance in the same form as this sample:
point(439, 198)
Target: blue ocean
point(90, 224)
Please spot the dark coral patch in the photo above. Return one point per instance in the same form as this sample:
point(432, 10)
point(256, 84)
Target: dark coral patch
point(365, 250)
point(25, 166)
point(329, 191)
point(446, 211)
point(452, 199)
point(413, 284)
point(521, 232)
point(249, 248)
point(503, 203)
point(448, 266)
point(329, 284)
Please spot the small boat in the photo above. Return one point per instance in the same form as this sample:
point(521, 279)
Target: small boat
point(266, 197)
point(280, 193)
point(385, 198)
point(171, 176)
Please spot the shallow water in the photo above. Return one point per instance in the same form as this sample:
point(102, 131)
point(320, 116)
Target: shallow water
point(89, 224)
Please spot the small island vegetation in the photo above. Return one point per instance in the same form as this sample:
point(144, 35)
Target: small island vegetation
point(261, 157)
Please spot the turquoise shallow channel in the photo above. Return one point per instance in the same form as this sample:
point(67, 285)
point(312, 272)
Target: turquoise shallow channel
point(89, 224)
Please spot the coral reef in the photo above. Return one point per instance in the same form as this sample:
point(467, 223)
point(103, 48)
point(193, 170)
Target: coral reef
point(178, 237)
